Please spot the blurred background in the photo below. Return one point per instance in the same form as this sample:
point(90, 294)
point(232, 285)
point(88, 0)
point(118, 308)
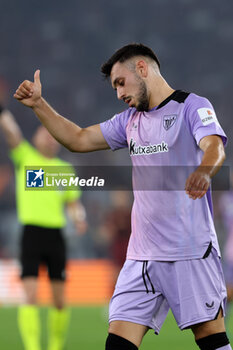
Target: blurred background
point(68, 41)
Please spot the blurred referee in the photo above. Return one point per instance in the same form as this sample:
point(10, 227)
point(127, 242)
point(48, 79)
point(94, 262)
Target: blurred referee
point(42, 215)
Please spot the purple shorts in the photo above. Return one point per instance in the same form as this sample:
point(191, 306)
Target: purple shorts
point(193, 289)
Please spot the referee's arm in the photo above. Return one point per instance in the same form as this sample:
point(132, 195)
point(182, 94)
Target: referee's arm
point(77, 214)
point(10, 129)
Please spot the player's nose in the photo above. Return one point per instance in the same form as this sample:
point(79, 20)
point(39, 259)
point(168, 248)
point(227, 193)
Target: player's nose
point(120, 94)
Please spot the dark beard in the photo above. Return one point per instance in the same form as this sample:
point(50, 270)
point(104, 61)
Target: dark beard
point(143, 101)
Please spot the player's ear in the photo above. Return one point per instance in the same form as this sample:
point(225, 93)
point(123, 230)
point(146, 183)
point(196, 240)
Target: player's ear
point(142, 68)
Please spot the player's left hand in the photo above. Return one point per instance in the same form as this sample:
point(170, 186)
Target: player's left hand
point(197, 184)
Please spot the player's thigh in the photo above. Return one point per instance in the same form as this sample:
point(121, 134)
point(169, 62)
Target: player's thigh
point(210, 327)
point(131, 331)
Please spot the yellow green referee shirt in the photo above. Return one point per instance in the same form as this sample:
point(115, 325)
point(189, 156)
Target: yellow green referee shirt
point(40, 208)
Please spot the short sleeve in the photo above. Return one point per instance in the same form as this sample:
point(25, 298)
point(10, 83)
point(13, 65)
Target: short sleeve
point(202, 119)
point(114, 130)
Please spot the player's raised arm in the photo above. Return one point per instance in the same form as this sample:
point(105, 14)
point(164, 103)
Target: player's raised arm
point(10, 129)
point(69, 134)
point(198, 182)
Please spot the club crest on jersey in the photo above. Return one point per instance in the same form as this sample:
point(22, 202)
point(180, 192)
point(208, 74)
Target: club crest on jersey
point(168, 121)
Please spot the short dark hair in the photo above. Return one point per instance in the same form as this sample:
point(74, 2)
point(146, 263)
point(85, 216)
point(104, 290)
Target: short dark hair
point(125, 53)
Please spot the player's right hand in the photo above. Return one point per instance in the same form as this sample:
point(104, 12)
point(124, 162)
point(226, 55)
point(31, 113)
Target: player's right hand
point(29, 93)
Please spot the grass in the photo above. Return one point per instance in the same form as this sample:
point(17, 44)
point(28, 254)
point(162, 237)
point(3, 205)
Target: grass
point(88, 331)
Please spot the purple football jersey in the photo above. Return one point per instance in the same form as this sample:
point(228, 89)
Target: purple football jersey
point(166, 224)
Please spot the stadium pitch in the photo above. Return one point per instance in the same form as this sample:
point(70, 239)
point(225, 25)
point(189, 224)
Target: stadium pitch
point(88, 331)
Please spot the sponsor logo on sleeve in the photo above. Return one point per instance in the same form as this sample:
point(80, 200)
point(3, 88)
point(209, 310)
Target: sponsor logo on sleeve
point(207, 116)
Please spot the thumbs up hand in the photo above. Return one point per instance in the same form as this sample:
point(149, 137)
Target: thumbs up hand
point(29, 93)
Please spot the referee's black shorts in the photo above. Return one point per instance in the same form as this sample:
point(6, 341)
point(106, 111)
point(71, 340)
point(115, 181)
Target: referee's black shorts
point(41, 245)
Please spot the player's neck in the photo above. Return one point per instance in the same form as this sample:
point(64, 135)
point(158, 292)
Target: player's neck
point(159, 92)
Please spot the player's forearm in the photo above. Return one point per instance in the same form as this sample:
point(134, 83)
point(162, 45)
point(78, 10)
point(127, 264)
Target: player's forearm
point(212, 159)
point(62, 129)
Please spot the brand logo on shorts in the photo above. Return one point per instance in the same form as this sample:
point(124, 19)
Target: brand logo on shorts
point(168, 121)
point(35, 178)
point(210, 306)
